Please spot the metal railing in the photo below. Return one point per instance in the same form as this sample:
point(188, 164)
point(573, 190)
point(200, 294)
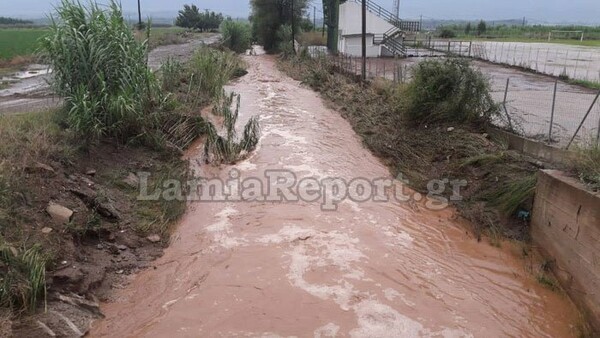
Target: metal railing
point(407, 26)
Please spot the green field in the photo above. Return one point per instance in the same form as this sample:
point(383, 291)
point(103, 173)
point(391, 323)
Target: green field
point(19, 42)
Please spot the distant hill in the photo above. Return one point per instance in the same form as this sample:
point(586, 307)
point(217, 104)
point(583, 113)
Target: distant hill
point(13, 21)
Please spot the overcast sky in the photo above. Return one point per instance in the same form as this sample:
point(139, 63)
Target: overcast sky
point(536, 11)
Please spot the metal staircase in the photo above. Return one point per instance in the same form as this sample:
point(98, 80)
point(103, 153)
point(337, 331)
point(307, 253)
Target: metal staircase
point(388, 39)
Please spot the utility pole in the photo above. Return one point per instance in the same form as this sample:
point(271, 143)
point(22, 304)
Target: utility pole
point(524, 22)
point(293, 30)
point(314, 18)
point(139, 15)
point(364, 40)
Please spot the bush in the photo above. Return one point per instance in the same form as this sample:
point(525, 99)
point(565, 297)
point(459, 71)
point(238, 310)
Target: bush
point(225, 148)
point(236, 35)
point(284, 36)
point(448, 91)
point(587, 165)
point(447, 34)
point(100, 69)
point(211, 70)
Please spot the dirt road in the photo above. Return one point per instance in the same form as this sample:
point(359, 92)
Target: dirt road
point(369, 269)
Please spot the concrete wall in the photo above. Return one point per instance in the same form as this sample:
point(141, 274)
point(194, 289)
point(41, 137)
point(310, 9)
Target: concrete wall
point(350, 29)
point(352, 45)
point(566, 227)
point(533, 148)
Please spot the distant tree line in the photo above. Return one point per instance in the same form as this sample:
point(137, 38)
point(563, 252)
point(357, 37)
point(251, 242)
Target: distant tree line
point(191, 17)
point(13, 21)
point(507, 30)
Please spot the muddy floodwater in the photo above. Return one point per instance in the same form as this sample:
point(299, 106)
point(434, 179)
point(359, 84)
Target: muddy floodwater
point(369, 269)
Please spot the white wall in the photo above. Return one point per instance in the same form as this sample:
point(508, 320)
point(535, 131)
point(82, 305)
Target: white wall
point(352, 45)
point(351, 20)
point(350, 29)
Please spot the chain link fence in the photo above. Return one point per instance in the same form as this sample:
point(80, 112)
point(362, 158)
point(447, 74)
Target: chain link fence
point(531, 105)
point(566, 61)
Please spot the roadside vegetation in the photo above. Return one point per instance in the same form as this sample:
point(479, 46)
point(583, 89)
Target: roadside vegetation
point(435, 128)
point(84, 159)
point(587, 165)
point(269, 19)
point(237, 35)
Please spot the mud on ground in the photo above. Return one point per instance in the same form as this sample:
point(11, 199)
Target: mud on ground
point(425, 153)
point(110, 235)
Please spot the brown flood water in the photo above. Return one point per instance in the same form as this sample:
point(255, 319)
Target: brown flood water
point(288, 269)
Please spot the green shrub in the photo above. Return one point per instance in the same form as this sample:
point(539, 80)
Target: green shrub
point(284, 36)
point(211, 70)
point(22, 277)
point(225, 148)
point(171, 72)
point(448, 91)
point(237, 35)
point(587, 165)
point(447, 33)
point(100, 69)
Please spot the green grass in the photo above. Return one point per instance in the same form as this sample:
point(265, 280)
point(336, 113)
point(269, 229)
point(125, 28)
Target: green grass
point(19, 42)
point(586, 43)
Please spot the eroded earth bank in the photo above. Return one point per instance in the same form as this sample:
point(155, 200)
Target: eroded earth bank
point(290, 269)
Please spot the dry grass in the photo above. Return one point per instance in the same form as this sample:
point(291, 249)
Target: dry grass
point(313, 39)
point(587, 164)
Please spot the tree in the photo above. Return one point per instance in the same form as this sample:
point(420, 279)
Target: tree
point(269, 15)
point(189, 17)
point(468, 28)
point(481, 27)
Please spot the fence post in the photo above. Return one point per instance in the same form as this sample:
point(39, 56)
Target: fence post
point(552, 112)
point(504, 105)
point(470, 47)
point(584, 118)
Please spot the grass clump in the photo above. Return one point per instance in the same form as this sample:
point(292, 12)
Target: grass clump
point(100, 69)
point(22, 277)
point(237, 35)
point(448, 91)
point(226, 149)
point(587, 165)
point(212, 69)
point(515, 195)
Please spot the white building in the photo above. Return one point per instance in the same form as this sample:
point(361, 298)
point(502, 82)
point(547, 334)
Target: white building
point(385, 33)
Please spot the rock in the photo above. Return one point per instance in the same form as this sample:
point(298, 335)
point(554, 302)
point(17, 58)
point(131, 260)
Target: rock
point(68, 275)
point(60, 215)
point(485, 135)
point(99, 246)
point(40, 168)
point(91, 199)
point(153, 238)
point(78, 301)
point(132, 180)
point(451, 129)
point(91, 172)
point(122, 247)
point(47, 230)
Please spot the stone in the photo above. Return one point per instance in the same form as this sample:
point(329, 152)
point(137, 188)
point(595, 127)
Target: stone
point(42, 168)
point(47, 230)
point(91, 172)
point(68, 275)
point(91, 199)
point(153, 238)
point(60, 215)
point(451, 129)
point(122, 247)
point(132, 180)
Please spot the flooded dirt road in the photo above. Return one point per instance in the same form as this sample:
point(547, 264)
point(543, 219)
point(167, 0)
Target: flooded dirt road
point(368, 269)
